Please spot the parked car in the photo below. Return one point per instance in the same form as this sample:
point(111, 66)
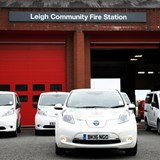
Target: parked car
point(10, 116)
point(96, 119)
point(48, 108)
point(140, 112)
point(152, 111)
point(131, 106)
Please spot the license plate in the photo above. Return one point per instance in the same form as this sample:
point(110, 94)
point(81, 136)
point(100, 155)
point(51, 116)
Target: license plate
point(52, 123)
point(95, 137)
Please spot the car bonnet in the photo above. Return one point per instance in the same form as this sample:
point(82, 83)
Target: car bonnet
point(93, 115)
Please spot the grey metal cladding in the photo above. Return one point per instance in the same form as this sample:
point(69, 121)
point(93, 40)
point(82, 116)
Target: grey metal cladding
point(80, 3)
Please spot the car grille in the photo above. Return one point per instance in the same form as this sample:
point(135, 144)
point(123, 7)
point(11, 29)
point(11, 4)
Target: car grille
point(2, 128)
point(48, 126)
point(96, 141)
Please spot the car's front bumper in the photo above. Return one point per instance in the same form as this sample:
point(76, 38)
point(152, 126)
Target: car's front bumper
point(8, 123)
point(44, 122)
point(120, 136)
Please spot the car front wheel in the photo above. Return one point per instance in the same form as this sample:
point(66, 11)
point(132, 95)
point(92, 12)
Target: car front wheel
point(158, 127)
point(147, 127)
point(60, 151)
point(19, 129)
point(131, 151)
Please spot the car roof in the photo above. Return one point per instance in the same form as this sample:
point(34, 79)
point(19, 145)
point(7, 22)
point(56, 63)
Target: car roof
point(55, 93)
point(7, 92)
point(91, 89)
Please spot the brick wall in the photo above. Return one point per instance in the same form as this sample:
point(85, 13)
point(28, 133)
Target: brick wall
point(152, 24)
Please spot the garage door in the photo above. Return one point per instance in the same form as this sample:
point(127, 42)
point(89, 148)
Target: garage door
point(30, 69)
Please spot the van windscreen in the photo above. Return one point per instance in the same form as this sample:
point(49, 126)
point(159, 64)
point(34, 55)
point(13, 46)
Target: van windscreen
point(51, 100)
point(6, 99)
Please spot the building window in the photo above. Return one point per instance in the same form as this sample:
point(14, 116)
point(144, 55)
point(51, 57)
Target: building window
point(21, 87)
point(5, 87)
point(56, 87)
point(35, 98)
point(23, 98)
point(38, 87)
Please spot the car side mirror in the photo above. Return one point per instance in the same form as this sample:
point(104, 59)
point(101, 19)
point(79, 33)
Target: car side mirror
point(131, 106)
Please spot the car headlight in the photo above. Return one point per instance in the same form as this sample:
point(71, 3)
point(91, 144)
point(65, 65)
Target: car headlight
point(123, 117)
point(68, 118)
point(8, 113)
point(40, 112)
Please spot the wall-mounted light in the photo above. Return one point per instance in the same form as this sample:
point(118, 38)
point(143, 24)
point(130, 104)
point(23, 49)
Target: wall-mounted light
point(150, 72)
point(141, 72)
point(133, 59)
point(138, 56)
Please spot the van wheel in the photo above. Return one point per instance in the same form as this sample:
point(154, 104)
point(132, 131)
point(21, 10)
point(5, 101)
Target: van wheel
point(158, 127)
point(147, 127)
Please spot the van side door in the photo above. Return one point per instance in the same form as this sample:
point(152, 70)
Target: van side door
point(155, 109)
point(149, 108)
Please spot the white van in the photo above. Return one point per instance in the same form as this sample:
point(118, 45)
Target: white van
point(48, 108)
point(10, 117)
point(152, 111)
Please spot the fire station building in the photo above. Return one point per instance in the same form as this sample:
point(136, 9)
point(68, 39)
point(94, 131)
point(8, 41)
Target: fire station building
point(59, 45)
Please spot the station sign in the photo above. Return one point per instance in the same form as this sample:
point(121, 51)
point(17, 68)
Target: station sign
point(19, 16)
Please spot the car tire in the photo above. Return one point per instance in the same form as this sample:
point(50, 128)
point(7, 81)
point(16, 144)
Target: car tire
point(60, 151)
point(138, 119)
point(158, 127)
point(14, 133)
point(147, 127)
point(19, 129)
point(131, 151)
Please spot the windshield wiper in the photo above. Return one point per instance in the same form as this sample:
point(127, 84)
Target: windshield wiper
point(5, 104)
point(51, 104)
point(118, 106)
point(88, 107)
point(48, 104)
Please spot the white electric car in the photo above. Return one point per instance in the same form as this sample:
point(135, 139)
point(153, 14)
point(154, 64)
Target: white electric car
point(10, 116)
point(48, 108)
point(96, 119)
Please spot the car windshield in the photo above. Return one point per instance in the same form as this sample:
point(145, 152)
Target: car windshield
point(6, 99)
point(51, 100)
point(98, 99)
